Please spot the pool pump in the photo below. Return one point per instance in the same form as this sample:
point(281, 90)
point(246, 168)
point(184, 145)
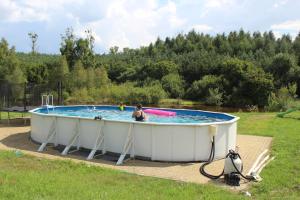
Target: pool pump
point(232, 169)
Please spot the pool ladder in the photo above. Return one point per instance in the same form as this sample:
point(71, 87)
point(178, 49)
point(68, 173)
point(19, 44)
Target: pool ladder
point(47, 101)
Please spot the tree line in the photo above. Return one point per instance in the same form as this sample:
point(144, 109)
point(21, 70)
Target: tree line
point(236, 69)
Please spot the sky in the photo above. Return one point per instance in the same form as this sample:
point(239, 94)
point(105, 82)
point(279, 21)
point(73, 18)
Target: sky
point(135, 23)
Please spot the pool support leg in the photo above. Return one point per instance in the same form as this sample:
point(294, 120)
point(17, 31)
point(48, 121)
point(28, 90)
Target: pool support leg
point(98, 143)
point(73, 139)
point(127, 146)
point(51, 134)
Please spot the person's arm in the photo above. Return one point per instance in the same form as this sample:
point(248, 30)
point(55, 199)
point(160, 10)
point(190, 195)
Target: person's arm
point(145, 116)
point(133, 114)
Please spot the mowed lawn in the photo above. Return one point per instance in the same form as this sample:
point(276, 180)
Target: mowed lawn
point(27, 177)
point(13, 115)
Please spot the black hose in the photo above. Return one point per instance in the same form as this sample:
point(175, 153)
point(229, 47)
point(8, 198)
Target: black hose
point(238, 171)
point(210, 160)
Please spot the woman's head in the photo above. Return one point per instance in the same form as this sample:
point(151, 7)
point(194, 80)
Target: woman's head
point(139, 106)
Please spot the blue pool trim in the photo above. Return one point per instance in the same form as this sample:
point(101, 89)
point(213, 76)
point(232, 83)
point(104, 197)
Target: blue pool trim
point(226, 117)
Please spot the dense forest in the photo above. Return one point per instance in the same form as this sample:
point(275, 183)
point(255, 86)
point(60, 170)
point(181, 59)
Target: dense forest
point(237, 69)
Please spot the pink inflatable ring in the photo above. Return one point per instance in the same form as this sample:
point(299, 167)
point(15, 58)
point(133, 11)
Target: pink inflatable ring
point(160, 112)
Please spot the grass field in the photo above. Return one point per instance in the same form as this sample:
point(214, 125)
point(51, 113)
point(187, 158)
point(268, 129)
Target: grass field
point(13, 115)
point(28, 177)
point(179, 102)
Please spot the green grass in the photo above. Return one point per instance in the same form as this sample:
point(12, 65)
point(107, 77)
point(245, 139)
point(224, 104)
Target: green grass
point(293, 115)
point(28, 177)
point(281, 178)
point(181, 102)
point(13, 115)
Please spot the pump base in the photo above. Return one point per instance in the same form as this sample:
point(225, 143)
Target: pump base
point(232, 179)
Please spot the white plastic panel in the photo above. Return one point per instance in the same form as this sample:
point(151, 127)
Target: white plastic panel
point(202, 143)
point(142, 140)
point(158, 142)
point(89, 131)
point(182, 143)
point(40, 126)
point(115, 134)
point(65, 129)
point(162, 143)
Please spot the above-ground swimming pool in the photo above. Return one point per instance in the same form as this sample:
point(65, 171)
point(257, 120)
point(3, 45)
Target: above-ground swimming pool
point(184, 137)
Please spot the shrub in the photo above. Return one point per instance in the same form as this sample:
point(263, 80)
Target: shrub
point(252, 108)
point(173, 84)
point(100, 95)
point(120, 93)
point(247, 83)
point(80, 96)
point(156, 93)
point(139, 95)
point(283, 99)
point(200, 89)
point(130, 94)
point(215, 97)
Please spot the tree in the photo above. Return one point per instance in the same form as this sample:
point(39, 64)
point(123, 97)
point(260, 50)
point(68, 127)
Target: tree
point(16, 80)
point(200, 89)
point(159, 69)
point(296, 47)
point(10, 71)
point(75, 49)
point(284, 44)
point(222, 45)
point(173, 85)
point(67, 48)
point(197, 64)
point(78, 76)
point(284, 70)
point(101, 77)
point(246, 83)
point(84, 53)
point(33, 37)
point(114, 50)
point(62, 69)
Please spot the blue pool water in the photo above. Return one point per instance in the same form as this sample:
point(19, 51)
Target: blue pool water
point(113, 113)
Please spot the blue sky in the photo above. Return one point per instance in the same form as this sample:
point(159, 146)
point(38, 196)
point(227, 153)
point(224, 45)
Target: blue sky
point(134, 23)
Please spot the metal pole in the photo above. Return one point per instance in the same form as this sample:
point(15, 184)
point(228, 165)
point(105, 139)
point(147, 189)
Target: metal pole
point(24, 97)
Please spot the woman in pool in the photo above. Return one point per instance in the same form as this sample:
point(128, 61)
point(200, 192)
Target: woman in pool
point(139, 114)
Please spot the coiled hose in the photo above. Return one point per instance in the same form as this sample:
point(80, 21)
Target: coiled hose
point(211, 159)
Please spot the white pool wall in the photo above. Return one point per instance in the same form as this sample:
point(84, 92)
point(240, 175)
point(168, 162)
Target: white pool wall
point(162, 142)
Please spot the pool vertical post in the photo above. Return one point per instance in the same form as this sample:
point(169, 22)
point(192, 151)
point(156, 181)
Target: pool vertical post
point(51, 134)
point(195, 143)
point(127, 146)
point(73, 139)
point(98, 143)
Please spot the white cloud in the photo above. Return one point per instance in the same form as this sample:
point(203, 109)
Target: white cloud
point(201, 27)
point(213, 5)
point(171, 10)
point(292, 25)
point(11, 11)
point(32, 10)
point(280, 3)
point(125, 23)
point(132, 23)
point(218, 3)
